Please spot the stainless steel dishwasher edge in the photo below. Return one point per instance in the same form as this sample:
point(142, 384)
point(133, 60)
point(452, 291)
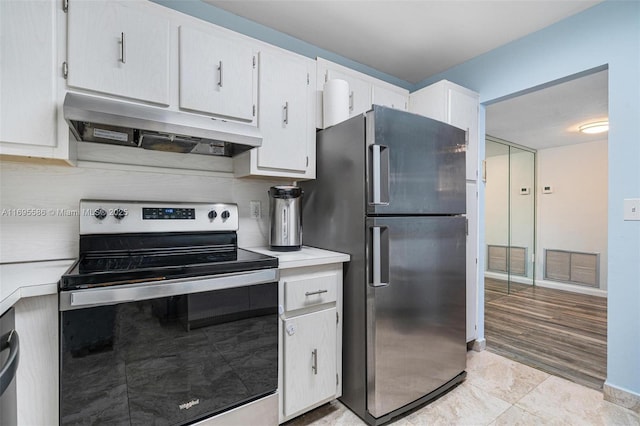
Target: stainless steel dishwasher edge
point(9, 357)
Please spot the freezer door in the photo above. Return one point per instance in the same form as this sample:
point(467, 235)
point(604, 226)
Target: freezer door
point(415, 308)
point(415, 165)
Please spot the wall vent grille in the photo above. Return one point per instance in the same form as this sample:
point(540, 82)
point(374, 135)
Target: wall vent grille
point(572, 267)
point(497, 259)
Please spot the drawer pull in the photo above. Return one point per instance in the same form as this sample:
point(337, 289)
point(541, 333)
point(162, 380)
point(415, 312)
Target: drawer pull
point(311, 293)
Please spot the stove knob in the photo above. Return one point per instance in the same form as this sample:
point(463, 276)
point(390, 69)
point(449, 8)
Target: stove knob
point(225, 215)
point(100, 214)
point(212, 214)
point(119, 214)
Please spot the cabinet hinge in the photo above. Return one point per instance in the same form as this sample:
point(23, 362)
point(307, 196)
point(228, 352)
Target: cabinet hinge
point(466, 225)
point(337, 318)
point(65, 6)
point(307, 162)
point(254, 62)
point(326, 76)
point(307, 79)
point(254, 110)
point(65, 70)
point(337, 382)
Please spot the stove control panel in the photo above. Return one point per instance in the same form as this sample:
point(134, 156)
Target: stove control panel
point(111, 217)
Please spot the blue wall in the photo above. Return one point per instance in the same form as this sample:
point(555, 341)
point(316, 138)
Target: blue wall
point(607, 34)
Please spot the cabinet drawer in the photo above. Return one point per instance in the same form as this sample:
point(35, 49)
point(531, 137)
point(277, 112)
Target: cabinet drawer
point(304, 292)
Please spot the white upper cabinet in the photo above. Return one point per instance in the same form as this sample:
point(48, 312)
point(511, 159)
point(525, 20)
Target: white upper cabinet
point(27, 74)
point(217, 75)
point(453, 104)
point(286, 114)
point(116, 48)
point(393, 98)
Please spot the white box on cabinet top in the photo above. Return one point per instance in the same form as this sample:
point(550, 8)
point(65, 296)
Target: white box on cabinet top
point(117, 48)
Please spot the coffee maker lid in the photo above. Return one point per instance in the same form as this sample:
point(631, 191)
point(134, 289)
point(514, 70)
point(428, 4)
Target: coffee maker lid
point(285, 191)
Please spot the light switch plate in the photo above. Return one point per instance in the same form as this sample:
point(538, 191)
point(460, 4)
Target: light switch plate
point(632, 209)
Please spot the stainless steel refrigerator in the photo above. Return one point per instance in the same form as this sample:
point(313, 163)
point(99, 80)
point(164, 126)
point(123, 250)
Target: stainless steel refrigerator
point(390, 191)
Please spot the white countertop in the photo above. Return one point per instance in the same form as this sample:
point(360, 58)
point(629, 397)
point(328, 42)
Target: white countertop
point(26, 279)
point(307, 256)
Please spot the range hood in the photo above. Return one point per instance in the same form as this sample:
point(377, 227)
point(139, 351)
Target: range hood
point(93, 119)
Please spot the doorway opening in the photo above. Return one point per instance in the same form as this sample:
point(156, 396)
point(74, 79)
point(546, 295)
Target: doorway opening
point(546, 229)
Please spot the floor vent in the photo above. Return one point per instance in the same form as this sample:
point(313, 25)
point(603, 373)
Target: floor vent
point(497, 259)
point(572, 267)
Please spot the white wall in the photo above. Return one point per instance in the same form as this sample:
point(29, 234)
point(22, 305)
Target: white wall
point(574, 216)
point(41, 185)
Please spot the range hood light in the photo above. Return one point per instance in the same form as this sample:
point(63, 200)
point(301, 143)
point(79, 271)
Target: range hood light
point(595, 127)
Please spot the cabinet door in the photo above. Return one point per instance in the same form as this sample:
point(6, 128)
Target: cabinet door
point(284, 105)
point(359, 92)
point(120, 49)
point(463, 113)
point(216, 75)
point(27, 72)
point(389, 98)
point(309, 359)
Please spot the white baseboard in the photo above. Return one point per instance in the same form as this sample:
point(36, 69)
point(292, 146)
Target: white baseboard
point(549, 284)
point(505, 277)
point(572, 288)
point(479, 345)
point(622, 397)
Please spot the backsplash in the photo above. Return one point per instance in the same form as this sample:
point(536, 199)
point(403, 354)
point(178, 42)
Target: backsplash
point(39, 202)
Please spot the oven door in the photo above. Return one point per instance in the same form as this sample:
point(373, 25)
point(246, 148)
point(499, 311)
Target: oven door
point(169, 353)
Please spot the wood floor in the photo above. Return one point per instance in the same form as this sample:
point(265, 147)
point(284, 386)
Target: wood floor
point(559, 332)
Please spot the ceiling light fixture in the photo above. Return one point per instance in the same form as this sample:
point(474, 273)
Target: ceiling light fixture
point(595, 127)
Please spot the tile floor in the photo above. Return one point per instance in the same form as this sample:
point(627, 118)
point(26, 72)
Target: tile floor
point(497, 392)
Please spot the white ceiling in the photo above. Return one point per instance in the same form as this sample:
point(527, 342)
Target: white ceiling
point(411, 40)
point(416, 39)
point(550, 117)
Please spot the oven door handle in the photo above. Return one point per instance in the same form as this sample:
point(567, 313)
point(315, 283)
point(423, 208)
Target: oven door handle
point(77, 299)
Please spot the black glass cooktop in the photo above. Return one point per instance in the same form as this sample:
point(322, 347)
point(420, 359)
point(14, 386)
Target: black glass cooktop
point(100, 269)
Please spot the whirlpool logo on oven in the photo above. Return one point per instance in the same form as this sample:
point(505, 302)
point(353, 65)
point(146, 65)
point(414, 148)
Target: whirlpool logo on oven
point(189, 404)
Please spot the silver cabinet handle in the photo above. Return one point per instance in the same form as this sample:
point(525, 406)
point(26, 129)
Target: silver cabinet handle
point(285, 110)
point(123, 49)
point(9, 341)
point(311, 293)
point(314, 358)
point(351, 101)
point(220, 74)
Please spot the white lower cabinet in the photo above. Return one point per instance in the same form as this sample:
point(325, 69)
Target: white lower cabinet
point(310, 356)
point(310, 359)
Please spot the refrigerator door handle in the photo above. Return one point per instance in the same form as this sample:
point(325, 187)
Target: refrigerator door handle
point(380, 256)
point(379, 175)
